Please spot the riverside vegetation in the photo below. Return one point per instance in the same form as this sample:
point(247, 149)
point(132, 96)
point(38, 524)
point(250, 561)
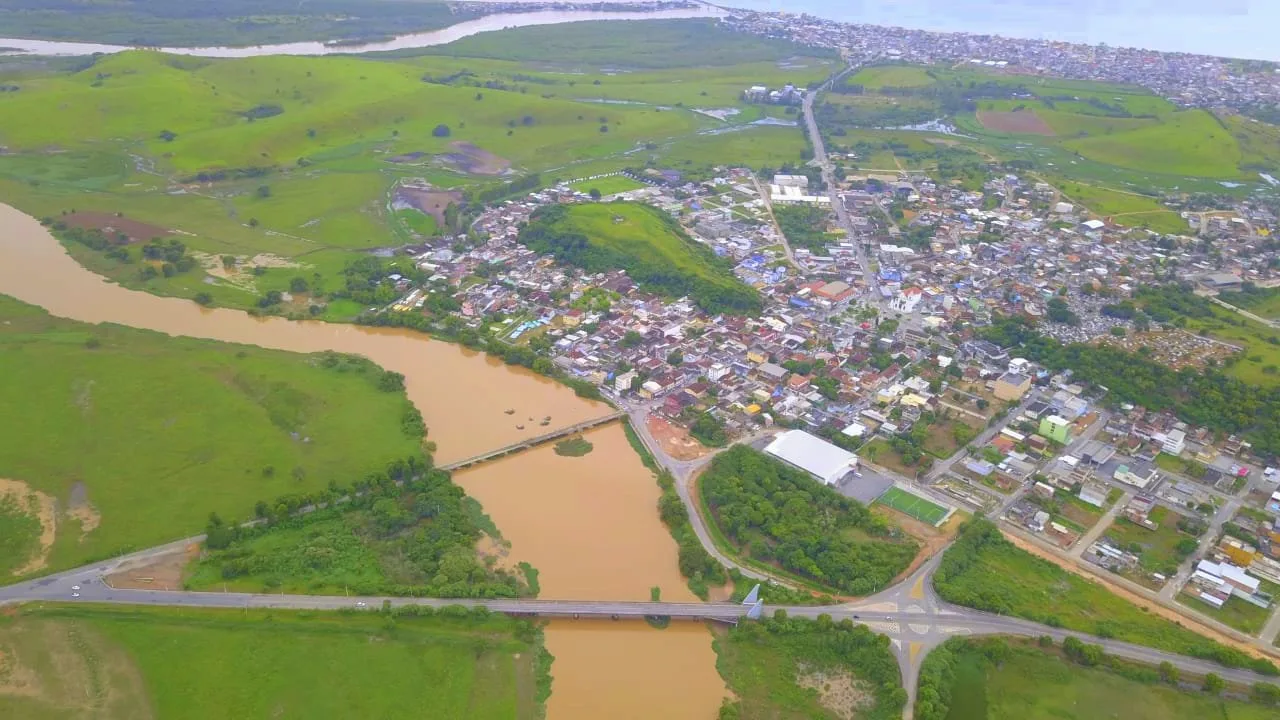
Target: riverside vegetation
point(973, 679)
point(140, 435)
point(119, 663)
point(405, 531)
point(983, 570)
point(779, 516)
point(791, 668)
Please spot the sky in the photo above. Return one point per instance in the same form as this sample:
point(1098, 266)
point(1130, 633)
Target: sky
point(1230, 28)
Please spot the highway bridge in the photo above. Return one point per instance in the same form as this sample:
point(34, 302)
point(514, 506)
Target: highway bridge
point(532, 442)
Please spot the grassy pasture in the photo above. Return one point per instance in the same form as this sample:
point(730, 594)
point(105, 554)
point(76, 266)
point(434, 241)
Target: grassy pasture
point(1036, 684)
point(160, 662)
point(875, 78)
point(158, 432)
point(1190, 142)
point(1124, 208)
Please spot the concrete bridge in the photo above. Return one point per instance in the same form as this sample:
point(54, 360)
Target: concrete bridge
point(532, 442)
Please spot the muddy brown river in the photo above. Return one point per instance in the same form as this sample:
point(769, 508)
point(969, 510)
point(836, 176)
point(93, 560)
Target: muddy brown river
point(589, 524)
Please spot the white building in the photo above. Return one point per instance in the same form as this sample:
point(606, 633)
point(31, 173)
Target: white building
point(1175, 441)
point(812, 454)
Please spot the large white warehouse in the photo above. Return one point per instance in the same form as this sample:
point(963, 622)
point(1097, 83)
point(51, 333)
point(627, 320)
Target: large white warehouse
point(812, 454)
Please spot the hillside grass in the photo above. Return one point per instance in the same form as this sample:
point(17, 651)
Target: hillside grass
point(645, 242)
point(1032, 683)
point(161, 431)
point(1259, 353)
point(1190, 142)
point(880, 76)
point(131, 662)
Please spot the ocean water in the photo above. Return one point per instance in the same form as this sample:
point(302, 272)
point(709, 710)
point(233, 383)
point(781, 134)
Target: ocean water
point(1229, 28)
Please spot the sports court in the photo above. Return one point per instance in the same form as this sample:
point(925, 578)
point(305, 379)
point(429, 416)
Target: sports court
point(913, 505)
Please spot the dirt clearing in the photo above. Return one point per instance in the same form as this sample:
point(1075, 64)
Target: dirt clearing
point(135, 230)
point(474, 160)
point(45, 508)
point(162, 572)
point(675, 440)
point(838, 692)
point(426, 199)
point(1026, 122)
point(932, 539)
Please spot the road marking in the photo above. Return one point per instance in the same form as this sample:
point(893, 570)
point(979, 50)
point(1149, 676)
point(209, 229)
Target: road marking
point(913, 650)
point(917, 590)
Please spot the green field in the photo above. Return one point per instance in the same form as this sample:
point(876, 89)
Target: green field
point(608, 185)
point(1100, 134)
point(997, 678)
point(912, 505)
point(145, 435)
point(126, 663)
point(984, 571)
point(1259, 364)
point(1157, 550)
point(794, 669)
point(875, 78)
point(1123, 208)
point(647, 243)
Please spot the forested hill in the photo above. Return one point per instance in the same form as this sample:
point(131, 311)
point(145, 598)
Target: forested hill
point(645, 242)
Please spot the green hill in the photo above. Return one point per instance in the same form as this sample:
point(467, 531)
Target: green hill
point(653, 249)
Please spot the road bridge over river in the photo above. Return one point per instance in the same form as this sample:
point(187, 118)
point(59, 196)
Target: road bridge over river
point(533, 442)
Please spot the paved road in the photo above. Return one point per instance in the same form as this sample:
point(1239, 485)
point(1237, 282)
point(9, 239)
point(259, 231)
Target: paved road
point(683, 472)
point(908, 613)
point(1100, 527)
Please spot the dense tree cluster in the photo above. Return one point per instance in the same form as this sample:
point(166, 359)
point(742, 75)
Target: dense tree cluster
point(548, 232)
point(804, 226)
point(776, 513)
point(406, 530)
point(709, 431)
point(1204, 397)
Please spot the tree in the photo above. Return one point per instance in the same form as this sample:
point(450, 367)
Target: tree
point(264, 192)
point(441, 131)
point(631, 339)
point(1264, 693)
point(1169, 672)
point(594, 193)
point(168, 136)
point(675, 358)
point(1214, 684)
point(204, 298)
point(298, 285)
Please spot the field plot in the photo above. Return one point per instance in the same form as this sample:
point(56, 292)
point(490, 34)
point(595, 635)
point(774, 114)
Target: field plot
point(139, 436)
point(128, 663)
point(881, 76)
point(912, 505)
point(1021, 121)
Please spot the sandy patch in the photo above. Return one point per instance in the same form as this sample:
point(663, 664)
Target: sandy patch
point(838, 692)
point(112, 225)
point(498, 549)
point(675, 440)
point(82, 510)
point(45, 508)
point(426, 199)
point(1151, 606)
point(1026, 122)
point(162, 572)
point(932, 539)
point(241, 273)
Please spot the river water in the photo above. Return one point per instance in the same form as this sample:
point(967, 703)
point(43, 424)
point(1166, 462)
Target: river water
point(589, 524)
point(489, 23)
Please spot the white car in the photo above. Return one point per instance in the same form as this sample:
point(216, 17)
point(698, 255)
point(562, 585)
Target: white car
point(362, 604)
point(75, 587)
point(75, 595)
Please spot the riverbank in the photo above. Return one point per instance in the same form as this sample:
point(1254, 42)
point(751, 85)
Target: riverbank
point(589, 524)
point(488, 23)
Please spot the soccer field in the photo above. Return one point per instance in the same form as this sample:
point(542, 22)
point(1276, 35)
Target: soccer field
point(913, 505)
